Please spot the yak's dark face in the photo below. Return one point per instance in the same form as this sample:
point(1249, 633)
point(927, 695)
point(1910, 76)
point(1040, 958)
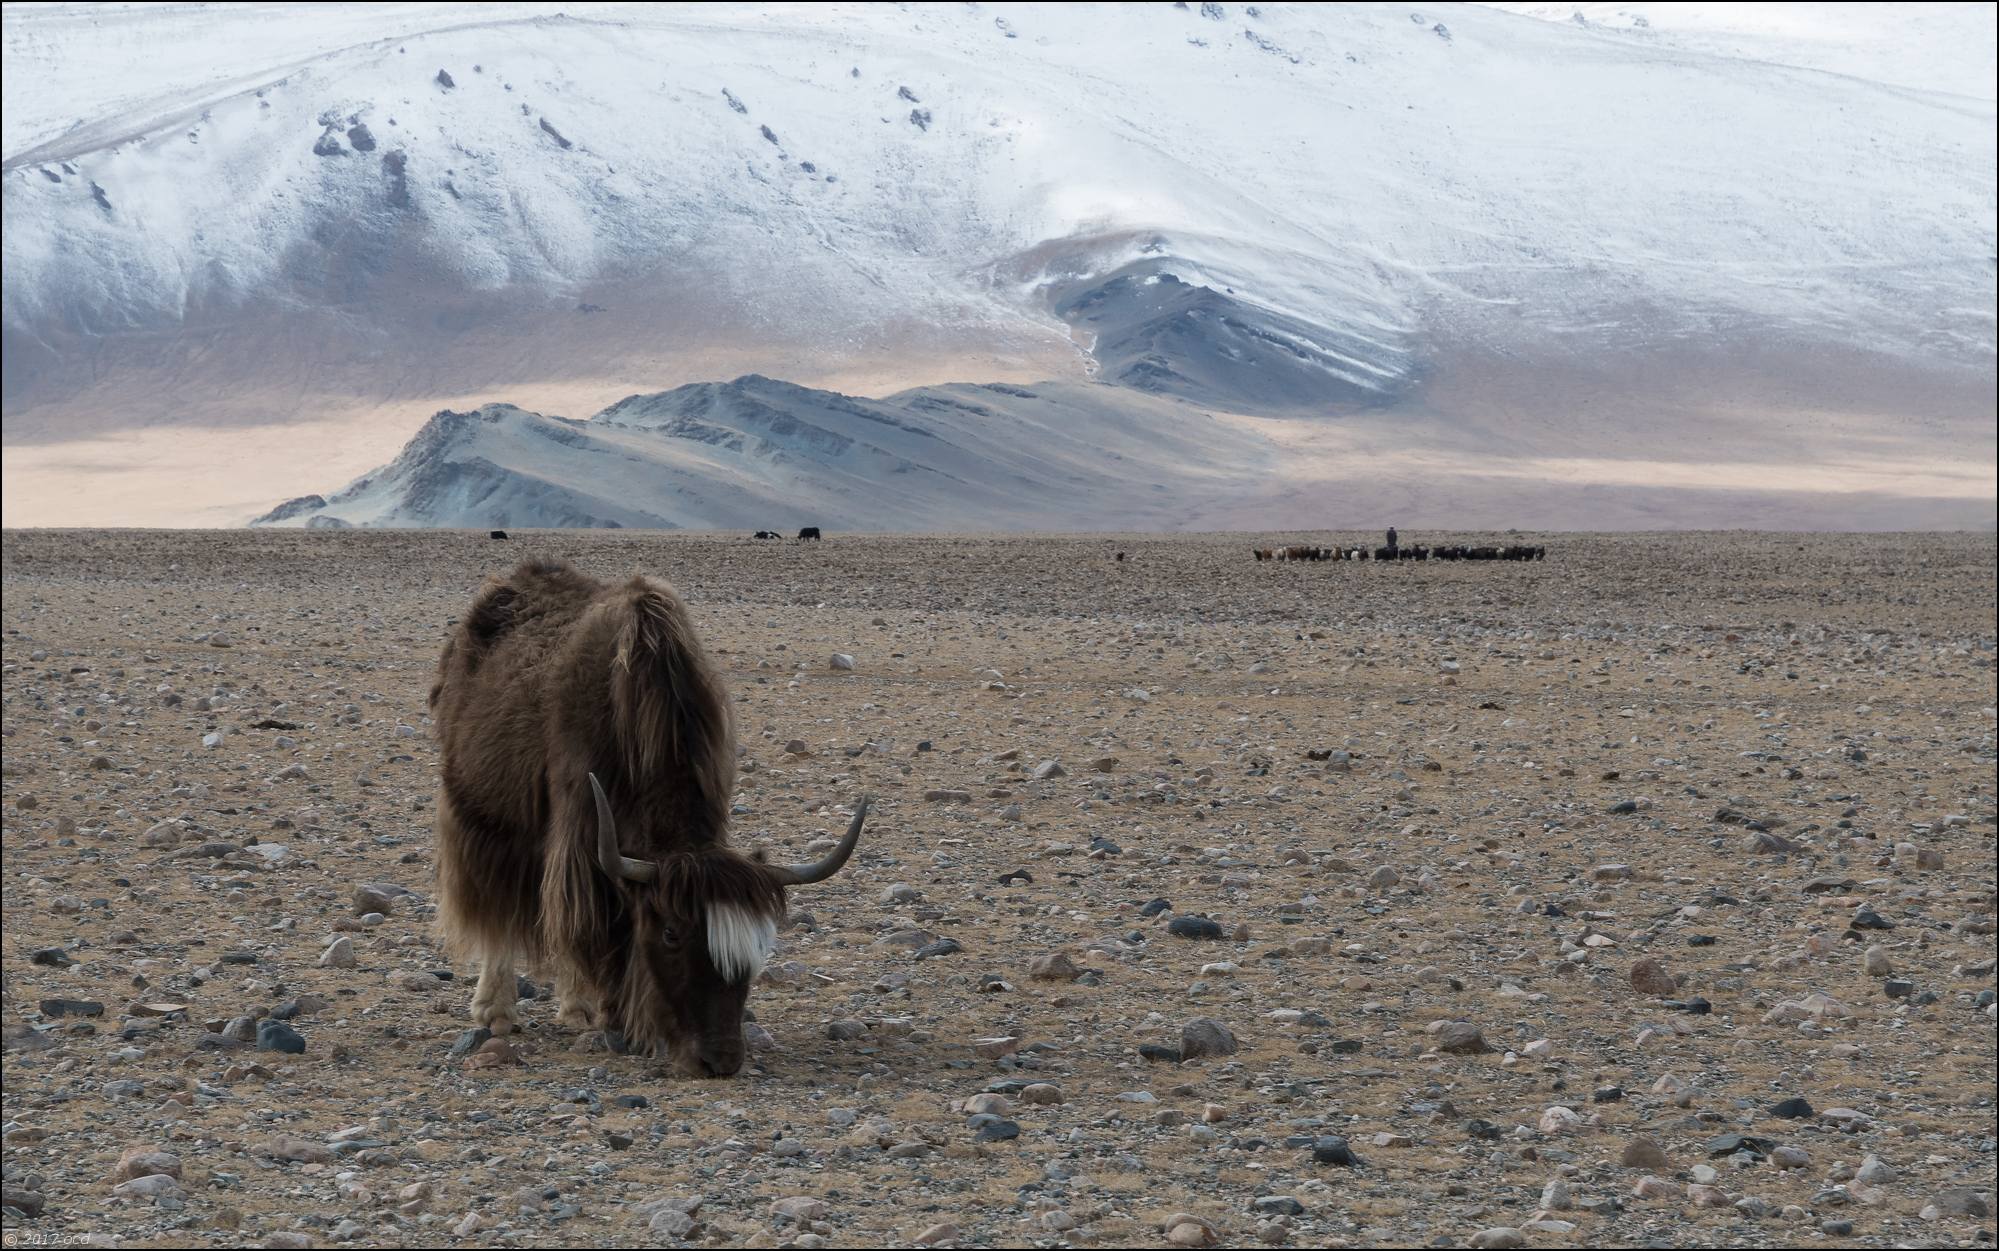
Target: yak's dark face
point(689, 977)
point(701, 925)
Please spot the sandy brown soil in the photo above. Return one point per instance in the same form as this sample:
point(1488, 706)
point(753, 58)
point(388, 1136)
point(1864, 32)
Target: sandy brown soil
point(1552, 773)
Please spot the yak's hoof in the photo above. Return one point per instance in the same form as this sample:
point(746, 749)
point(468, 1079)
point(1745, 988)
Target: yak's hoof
point(493, 1017)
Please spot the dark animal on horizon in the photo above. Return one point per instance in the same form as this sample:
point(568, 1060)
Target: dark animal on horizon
point(496, 534)
point(1262, 553)
point(766, 534)
point(588, 767)
point(1384, 553)
point(808, 532)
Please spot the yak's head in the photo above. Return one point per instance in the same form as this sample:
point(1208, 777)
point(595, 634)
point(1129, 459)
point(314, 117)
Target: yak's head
point(702, 925)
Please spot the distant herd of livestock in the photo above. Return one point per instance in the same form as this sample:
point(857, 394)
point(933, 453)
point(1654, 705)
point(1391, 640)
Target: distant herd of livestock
point(1388, 551)
point(1512, 551)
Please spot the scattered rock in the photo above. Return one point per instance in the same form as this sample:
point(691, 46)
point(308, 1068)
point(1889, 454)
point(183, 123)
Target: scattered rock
point(1657, 1188)
point(71, 1007)
point(152, 1186)
point(29, 1203)
point(1644, 1153)
point(145, 1162)
point(1203, 1036)
point(1958, 1201)
point(800, 1209)
point(374, 898)
point(1276, 1205)
point(1333, 1149)
point(278, 1036)
point(1649, 977)
point(298, 1150)
point(1055, 967)
point(1459, 1038)
point(1195, 927)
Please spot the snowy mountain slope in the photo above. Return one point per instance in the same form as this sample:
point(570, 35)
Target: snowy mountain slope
point(1318, 160)
point(75, 63)
point(1340, 202)
point(1946, 47)
point(758, 452)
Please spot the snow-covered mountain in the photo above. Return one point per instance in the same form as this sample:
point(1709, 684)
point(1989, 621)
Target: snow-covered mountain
point(288, 243)
point(759, 453)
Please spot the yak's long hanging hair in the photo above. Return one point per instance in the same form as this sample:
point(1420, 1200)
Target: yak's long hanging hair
point(669, 713)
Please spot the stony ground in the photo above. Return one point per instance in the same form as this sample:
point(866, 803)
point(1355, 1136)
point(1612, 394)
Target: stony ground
point(1642, 896)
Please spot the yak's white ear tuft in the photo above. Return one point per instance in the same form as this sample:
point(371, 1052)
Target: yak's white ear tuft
point(739, 941)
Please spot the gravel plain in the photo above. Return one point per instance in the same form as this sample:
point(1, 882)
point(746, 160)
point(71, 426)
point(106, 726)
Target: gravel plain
point(1641, 896)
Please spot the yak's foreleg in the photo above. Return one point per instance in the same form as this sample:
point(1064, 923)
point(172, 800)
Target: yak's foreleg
point(577, 1008)
point(493, 1001)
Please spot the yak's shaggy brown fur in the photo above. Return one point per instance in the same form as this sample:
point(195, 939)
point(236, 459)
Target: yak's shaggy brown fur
point(549, 678)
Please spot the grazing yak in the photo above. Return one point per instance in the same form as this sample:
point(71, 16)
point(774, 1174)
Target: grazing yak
point(808, 532)
point(582, 822)
point(496, 534)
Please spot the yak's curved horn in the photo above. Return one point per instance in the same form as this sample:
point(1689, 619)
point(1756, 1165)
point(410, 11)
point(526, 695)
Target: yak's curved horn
point(609, 858)
point(819, 871)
